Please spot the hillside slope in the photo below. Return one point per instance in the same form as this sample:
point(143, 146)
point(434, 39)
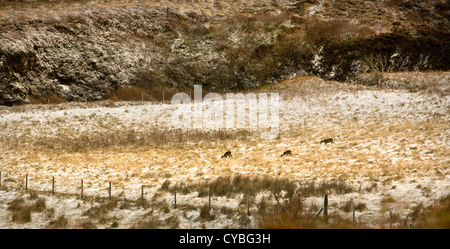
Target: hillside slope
point(83, 50)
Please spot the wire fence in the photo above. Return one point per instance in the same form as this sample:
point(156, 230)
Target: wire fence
point(108, 196)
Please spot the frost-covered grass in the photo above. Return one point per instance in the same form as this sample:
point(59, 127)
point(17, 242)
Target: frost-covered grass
point(390, 155)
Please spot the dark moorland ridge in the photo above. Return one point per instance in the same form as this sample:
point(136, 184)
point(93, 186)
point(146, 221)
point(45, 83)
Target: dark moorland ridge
point(89, 50)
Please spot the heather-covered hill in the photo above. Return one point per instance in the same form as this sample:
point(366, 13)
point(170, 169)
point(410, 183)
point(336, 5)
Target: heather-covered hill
point(89, 50)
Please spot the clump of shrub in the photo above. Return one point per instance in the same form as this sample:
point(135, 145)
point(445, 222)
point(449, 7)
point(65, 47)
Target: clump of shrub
point(22, 209)
point(290, 214)
point(149, 222)
point(435, 216)
point(59, 223)
point(88, 224)
point(128, 94)
point(99, 212)
point(205, 212)
point(39, 205)
point(49, 99)
point(349, 205)
point(23, 215)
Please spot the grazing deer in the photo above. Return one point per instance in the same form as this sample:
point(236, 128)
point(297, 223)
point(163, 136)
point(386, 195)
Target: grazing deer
point(227, 154)
point(327, 141)
point(288, 152)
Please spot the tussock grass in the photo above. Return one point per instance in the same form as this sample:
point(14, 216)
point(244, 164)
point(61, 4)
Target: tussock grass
point(232, 185)
point(16, 204)
point(283, 208)
point(205, 213)
point(21, 212)
point(49, 213)
point(280, 187)
point(22, 209)
point(33, 194)
point(87, 224)
point(293, 214)
point(290, 214)
point(119, 138)
point(99, 212)
point(361, 207)
point(347, 206)
point(172, 222)
point(150, 222)
point(320, 188)
point(22, 215)
point(39, 205)
point(59, 223)
point(51, 99)
point(436, 216)
point(387, 200)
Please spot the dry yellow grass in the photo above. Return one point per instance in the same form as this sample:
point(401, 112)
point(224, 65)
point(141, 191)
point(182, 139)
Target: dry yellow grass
point(308, 85)
point(391, 157)
point(376, 152)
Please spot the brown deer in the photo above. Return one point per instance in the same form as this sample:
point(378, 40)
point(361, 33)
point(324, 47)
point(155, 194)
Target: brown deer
point(227, 154)
point(327, 141)
point(288, 152)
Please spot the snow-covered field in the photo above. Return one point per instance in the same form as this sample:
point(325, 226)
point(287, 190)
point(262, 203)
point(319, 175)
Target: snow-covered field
point(391, 147)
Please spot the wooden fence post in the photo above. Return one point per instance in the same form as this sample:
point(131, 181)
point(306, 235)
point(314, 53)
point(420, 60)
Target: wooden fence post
point(325, 208)
point(390, 219)
point(109, 191)
point(53, 185)
point(26, 182)
point(142, 194)
point(353, 215)
point(209, 196)
point(175, 197)
point(81, 189)
point(248, 206)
